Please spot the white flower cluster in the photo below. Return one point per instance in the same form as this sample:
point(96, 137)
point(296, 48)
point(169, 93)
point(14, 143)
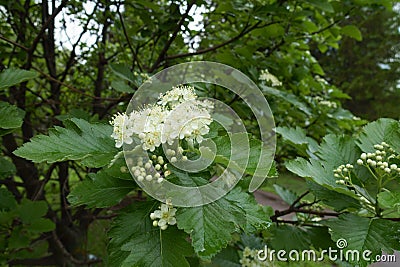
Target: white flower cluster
point(250, 258)
point(122, 130)
point(380, 159)
point(164, 216)
point(323, 102)
point(343, 174)
point(176, 96)
point(268, 77)
point(178, 114)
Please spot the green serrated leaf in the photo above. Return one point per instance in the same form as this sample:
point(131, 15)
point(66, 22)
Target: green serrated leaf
point(244, 144)
point(363, 234)
point(30, 210)
point(158, 248)
point(352, 31)
point(333, 199)
point(298, 237)
point(80, 140)
point(7, 200)
point(41, 225)
point(132, 220)
point(121, 86)
point(228, 257)
point(18, 239)
point(320, 237)
point(135, 242)
point(211, 226)
point(34, 250)
point(103, 189)
point(333, 151)
point(336, 150)
point(322, 4)
point(10, 77)
point(285, 96)
point(382, 130)
point(309, 26)
point(298, 138)
point(311, 169)
point(253, 241)
point(7, 168)
point(123, 71)
point(11, 117)
point(287, 195)
point(255, 215)
point(389, 199)
point(79, 114)
point(323, 48)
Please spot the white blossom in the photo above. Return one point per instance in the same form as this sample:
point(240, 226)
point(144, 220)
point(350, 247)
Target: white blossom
point(176, 96)
point(268, 77)
point(164, 216)
point(123, 130)
point(178, 114)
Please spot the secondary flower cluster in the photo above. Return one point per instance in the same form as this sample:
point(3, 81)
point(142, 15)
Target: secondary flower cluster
point(343, 173)
point(268, 77)
point(380, 159)
point(250, 258)
point(323, 102)
point(164, 216)
point(378, 164)
point(178, 114)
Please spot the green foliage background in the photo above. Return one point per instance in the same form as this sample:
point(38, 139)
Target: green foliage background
point(62, 204)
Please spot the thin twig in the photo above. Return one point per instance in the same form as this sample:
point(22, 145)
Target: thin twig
point(72, 88)
point(163, 52)
point(42, 31)
point(135, 57)
point(14, 43)
point(215, 47)
point(67, 254)
point(296, 223)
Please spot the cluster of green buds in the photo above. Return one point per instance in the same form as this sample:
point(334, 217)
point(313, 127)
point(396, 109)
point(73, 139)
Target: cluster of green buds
point(309, 217)
point(250, 259)
point(174, 156)
point(342, 173)
point(144, 170)
point(380, 159)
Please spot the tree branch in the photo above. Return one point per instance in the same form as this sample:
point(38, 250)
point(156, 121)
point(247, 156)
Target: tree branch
point(294, 208)
point(68, 255)
point(72, 88)
point(72, 55)
point(206, 50)
point(163, 52)
point(41, 32)
point(134, 54)
point(14, 43)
